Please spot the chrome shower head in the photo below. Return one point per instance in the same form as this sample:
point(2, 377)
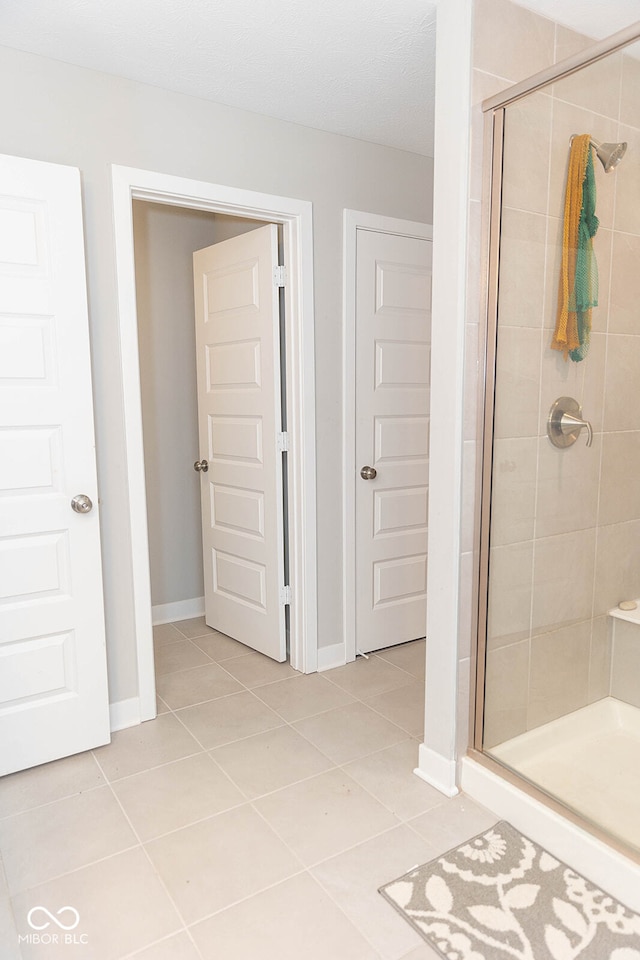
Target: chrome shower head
point(609, 154)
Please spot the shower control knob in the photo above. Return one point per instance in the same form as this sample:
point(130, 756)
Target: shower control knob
point(565, 421)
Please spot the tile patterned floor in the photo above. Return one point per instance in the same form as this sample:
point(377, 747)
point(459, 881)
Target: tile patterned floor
point(254, 819)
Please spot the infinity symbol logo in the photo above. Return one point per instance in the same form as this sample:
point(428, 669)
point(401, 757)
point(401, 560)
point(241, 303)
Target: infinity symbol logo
point(59, 923)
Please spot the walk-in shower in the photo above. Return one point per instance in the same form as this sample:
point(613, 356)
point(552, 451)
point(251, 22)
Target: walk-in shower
point(558, 692)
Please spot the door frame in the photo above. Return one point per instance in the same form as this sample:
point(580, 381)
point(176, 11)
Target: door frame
point(353, 221)
point(296, 217)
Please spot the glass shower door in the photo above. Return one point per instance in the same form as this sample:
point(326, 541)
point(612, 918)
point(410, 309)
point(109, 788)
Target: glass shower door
point(562, 665)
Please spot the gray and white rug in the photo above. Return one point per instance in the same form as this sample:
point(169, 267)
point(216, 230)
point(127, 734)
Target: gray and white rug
point(500, 896)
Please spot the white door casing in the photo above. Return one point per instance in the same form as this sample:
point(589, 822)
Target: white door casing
point(296, 219)
point(53, 680)
point(239, 422)
point(392, 364)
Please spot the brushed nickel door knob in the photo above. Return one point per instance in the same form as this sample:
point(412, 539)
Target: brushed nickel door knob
point(201, 465)
point(368, 473)
point(81, 503)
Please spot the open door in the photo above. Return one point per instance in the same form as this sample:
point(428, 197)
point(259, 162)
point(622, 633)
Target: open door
point(241, 444)
point(53, 675)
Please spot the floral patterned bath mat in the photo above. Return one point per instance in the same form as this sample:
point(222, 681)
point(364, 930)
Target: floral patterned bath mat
point(499, 896)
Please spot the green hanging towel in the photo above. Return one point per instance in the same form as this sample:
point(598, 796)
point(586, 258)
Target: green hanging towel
point(585, 291)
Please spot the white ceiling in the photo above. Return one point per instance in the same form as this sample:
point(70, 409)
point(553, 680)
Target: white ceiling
point(362, 68)
point(593, 18)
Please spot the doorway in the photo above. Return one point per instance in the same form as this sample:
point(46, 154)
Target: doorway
point(165, 237)
point(387, 300)
point(294, 218)
point(214, 389)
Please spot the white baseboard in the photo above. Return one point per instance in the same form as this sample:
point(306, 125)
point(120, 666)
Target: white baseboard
point(331, 656)
point(601, 864)
point(124, 713)
point(179, 610)
point(437, 771)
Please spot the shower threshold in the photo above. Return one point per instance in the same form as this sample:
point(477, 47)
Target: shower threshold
point(589, 760)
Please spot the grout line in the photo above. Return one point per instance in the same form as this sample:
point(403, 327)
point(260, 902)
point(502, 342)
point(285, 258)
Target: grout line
point(49, 803)
point(154, 868)
point(111, 784)
point(68, 873)
point(250, 896)
point(165, 763)
point(140, 951)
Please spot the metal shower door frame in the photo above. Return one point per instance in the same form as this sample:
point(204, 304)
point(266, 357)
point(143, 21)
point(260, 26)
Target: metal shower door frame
point(494, 109)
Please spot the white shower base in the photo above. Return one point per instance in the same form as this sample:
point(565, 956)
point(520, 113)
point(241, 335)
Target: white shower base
point(590, 760)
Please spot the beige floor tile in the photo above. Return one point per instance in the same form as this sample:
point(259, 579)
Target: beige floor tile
point(179, 947)
point(122, 906)
point(304, 696)
point(453, 822)
point(321, 817)
point(403, 706)
point(51, 781)
point(62, 836)
point(175, 795)
point(408, 656)
point(144, 746)
point(196, 627)
point(422, 953)
point(161, 706)
point(367, 678)
point(178, 656)
point(196, 685)
point(353, 878)
point(8, 932)
point(388, 775)
point(228, 719)
point(293, 920)
point(166, 633)
point(349, 732)
point(254, 670)
point(214, 863)
point(270, 761)
point(220, 647)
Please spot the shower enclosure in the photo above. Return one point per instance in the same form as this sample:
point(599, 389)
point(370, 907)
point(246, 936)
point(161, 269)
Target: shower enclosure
point(558, 694)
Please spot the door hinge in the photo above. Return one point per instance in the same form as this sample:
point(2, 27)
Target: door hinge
point(282, 441)
point(285, 595)
point(280, 275)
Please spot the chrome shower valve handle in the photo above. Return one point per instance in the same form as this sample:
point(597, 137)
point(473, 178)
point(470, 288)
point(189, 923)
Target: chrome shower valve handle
point(570, 424)
point(565, 422)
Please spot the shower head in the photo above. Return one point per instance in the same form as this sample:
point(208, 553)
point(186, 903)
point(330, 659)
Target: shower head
point(609, 154)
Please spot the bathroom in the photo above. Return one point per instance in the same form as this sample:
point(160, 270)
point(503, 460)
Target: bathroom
point(564, 522)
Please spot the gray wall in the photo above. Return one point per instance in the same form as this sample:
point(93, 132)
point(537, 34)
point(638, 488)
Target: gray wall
point(165, 238)
point(65, 114)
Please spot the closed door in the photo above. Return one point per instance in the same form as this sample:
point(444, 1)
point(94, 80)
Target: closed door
point(53, 680)
point(393, 328)
point(239, 422)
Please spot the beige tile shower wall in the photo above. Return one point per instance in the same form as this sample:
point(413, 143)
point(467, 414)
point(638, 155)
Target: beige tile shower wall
point(626, 662)
point(566, 523)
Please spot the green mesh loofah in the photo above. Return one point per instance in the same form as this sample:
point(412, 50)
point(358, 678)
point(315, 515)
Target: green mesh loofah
point(584, 295)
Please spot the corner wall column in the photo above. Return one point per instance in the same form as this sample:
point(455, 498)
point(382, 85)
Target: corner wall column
point(437, 763)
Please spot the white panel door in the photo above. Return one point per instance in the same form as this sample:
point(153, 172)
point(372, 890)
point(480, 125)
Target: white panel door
point(393, 333)
point(53, 679)
point(239, 418)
